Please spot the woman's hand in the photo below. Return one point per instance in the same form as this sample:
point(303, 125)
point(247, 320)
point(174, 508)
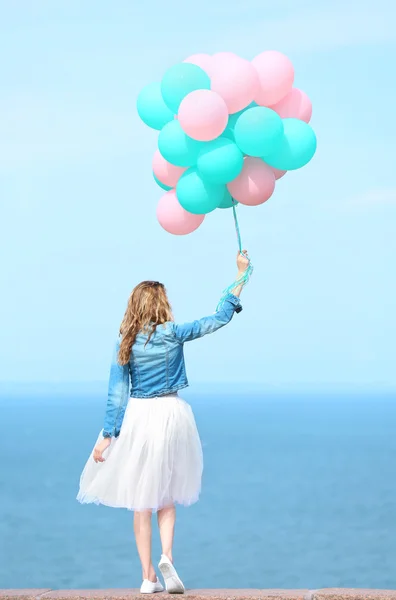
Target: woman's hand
point(242, 264)
point(100, 448)
point(242, 261)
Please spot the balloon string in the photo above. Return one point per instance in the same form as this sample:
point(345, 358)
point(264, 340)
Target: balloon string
point(237, 225)
point(246, 275)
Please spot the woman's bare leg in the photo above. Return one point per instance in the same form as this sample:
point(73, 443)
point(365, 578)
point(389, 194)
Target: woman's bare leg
point(142, 529)
point(166, 524)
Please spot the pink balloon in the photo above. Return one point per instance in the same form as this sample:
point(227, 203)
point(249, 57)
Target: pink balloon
point(173, 218)
point(276, 76)
point(201, 60)
point(235, 80)
point(255, 184)
point(203, 115)
point(165, 172)
point(278, 173)
point(296, 105)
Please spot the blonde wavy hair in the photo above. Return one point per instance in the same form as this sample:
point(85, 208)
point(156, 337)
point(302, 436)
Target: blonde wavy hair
point(148, 306)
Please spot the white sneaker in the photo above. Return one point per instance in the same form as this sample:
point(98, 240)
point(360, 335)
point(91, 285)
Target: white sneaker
point(173, 583)
point(149, 587)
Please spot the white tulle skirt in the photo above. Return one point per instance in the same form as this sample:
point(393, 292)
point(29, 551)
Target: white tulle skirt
point(155, 462)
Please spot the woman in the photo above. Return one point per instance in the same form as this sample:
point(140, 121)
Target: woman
point(149, 456)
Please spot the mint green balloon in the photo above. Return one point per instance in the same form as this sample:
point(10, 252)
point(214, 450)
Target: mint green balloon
point(228, 133)
point(196, 195)
point(258, 131)
point(176, 147)
point(162, 185)
point(180, 80)
point(220, 161)
point(232, 119)
point(296, 149)
point(227, 201)
point(152, 108)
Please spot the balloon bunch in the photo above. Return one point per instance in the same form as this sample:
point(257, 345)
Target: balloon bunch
point(229, 128)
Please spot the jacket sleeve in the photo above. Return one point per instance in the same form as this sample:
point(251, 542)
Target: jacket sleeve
point(117, 396)
point(192, 331)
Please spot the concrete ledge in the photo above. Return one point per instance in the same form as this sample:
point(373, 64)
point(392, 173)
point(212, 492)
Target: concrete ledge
point(250, 594)
point(353, 594)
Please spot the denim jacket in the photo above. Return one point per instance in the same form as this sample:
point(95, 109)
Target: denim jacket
point(157, 368)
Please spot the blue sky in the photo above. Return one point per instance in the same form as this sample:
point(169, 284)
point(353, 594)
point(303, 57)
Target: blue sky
point(78, 226)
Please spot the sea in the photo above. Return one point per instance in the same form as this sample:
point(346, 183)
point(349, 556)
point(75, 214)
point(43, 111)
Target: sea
point(299, 491)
